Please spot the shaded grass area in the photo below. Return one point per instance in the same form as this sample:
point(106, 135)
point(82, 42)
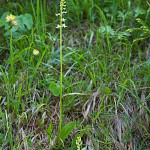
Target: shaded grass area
point(106, 77)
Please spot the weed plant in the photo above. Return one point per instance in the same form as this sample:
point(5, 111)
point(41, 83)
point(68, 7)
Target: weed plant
point(86, 86)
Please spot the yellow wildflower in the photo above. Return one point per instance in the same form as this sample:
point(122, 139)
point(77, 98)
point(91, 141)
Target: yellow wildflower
point(7, 18)
point(12, 17)
point(35, 52)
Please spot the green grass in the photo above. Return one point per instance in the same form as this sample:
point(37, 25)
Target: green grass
point(104, 83)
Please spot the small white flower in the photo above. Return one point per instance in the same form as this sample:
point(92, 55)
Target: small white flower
point(35, 52)
point(63, 25)
point(7, 18)
point(64, 12)
point(58, 14)
point(14, 22)
point(58, 26)
point(63, 19)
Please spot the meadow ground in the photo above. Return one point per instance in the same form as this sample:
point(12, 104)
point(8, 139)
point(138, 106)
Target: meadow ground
point(105, 86)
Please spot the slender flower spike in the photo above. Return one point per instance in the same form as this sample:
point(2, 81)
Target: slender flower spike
point(79, 143)
point(35, 52)
point(62, 24)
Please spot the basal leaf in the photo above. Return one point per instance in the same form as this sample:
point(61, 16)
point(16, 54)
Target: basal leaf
point(107, 90)
point(27, 20)
point(66, 130)
point(54, 89)
point(3, 18)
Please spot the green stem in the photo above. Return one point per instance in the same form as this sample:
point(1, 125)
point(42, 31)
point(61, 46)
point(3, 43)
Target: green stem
point(12, 55)
point(60, 68)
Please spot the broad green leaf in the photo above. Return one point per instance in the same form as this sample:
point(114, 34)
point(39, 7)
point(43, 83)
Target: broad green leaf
point(6, 33)
point(65, 131)
point(27, 20)
point(3, 18)
point(139, 11)
point(16, 35)
point(7, 26)
point(107, 90)
point(1, 23)
point(14, 28)
point(54, 89)
point(21, 25)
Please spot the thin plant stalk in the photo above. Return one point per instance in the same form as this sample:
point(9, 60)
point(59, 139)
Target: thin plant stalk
point(38, 17)
point(12, 55)
point(61, 24)
point(61, 7)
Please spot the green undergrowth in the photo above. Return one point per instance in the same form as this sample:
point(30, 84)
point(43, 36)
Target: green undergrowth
point(105, 77)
